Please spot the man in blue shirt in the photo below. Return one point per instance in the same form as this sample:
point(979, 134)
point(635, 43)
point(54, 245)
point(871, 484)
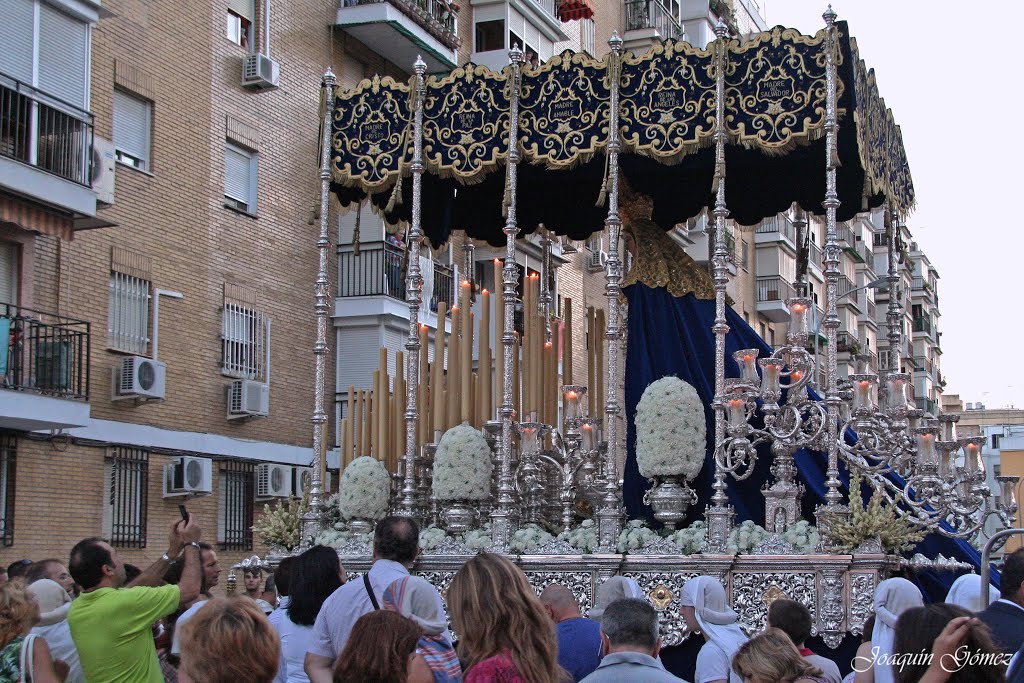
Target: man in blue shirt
point(629, 632)
point(579, 639)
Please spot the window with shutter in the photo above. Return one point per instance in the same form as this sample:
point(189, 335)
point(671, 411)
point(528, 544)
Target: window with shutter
point(240, 19)
point(132, 119)
point(8, 273)
point(17, 35)
point(240, 178)
point(63, 56)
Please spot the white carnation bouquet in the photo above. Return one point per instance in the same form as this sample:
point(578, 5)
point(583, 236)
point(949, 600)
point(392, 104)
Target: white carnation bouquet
point(691, 540)
point(462, 465)
point(744, 537)
point(635, 535)
point(803, 536)
point(478, 539)
point(527, 539)
point(671, 433)
point(583, 537)
point(431, 537)
point(334, 536)
point(364, 489)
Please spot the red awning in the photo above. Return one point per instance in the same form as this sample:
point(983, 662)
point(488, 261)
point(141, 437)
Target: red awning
point(570, 10)
point(30, 217)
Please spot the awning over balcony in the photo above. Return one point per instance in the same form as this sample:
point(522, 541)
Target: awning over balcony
point(571, 10)
point(30, 217)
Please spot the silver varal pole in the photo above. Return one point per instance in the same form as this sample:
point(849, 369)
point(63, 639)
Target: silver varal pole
point(504, 516)
point(609, 514)
point(414, 289)
point(833, 400)
point(311, 519)
point(720, 514)
point(894, 314)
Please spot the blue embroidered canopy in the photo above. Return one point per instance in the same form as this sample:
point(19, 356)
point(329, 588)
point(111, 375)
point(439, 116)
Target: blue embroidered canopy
point(775, 118)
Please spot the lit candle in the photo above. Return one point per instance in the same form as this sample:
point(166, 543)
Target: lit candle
point(795, 377)
point(798, 316)
point(736, 408)
point(896, 391)
point(747, 360)
point(862, 391)
point(567, 344)
point(572, 401)
point(973, 463)
point(588, 435)
point(486, 411)
point(770, 369)
point(925, 438)
point(1008, 491)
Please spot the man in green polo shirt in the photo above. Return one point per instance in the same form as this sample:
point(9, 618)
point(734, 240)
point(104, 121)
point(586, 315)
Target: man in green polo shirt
point(112, 625)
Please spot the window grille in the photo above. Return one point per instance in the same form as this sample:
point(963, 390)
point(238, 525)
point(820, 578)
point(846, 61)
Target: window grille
point(245, 337)
point(8, 459)
point(235, 507)
point(127, 489)
point(128, 318)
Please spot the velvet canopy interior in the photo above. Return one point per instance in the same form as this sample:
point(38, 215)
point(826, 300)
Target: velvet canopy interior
point(775, 124)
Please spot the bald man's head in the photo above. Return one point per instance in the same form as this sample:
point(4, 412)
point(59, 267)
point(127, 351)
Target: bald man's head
point(560, 602)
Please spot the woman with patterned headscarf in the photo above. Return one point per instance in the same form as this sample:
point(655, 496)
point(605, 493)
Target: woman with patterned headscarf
point(706, 611)
point(416, 599)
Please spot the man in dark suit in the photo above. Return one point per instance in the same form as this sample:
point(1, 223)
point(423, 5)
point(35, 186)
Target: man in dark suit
point(1005, 617)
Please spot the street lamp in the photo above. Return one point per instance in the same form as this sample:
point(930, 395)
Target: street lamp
point(880, 283)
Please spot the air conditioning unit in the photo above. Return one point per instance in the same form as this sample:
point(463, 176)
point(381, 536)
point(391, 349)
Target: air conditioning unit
point(188, 476)
point(260, 72)
point(302, 481)
point(104, 161)
point(247, 398)
point(273, 481)
point(596, 260)
point(138, 377)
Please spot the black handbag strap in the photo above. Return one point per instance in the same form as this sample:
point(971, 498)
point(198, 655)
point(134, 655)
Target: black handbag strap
point(369, 590)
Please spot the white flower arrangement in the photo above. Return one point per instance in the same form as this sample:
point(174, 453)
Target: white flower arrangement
point(334, 537)
point(462, 465)
point(583, 537)
point(527, 539)
point(691, 540)
point(671, 433)
point(635, 535)
point(803, 536)
point(744, 537)
point(478, 539)
point(431, 537)
point(281, 524)
point(364, 489)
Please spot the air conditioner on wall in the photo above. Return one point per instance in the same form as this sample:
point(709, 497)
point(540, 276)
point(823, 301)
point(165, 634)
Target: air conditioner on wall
point(596, 260)
point(188, 476)
point(137, 377)
point(273, 481)
point(260, 72)
point(247, 398)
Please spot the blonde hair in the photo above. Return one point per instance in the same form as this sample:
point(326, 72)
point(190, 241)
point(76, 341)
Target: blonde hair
point(494, 609)
point(19, 611)
point(772, 656)
point(230, 640)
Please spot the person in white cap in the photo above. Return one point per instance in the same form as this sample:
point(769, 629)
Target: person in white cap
point(966, 592)
point(706, 610)
point(54, 603)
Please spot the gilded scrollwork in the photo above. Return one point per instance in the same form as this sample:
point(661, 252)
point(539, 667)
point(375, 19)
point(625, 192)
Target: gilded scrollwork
point(862, 592)
point(667, 105)
point(465, 122)
point(663, 590)
point(753, 592)
point(775, 89)
point(580, 583)
point(830, 616)
point(564, 110)
point(371, 133)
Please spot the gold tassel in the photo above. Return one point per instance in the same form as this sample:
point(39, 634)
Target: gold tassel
point(396, 195)
point(602, 196)
point(355, 231)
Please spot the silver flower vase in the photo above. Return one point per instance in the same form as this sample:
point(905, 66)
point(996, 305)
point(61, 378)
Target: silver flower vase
point(360, 526)
point(669, 499)
point(458, 517)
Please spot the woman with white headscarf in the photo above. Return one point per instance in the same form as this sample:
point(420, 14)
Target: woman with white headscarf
point(52, 626)
point(706, 610)
point(614, 588)
point(893, 597)
point(966, 592)
point(416, 599)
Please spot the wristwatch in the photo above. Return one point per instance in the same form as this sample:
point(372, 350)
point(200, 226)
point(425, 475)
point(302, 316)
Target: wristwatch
point(168, 559)
point(194, 544)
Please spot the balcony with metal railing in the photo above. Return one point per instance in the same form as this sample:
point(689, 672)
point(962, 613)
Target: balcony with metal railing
point(772, 293)
point(928, 405)
point(816, 257)
point(776, 229)
point(379, 269)
point(44, 369)
point(646, 21)
point(399, 30)
point(849, 294)
point(45, 148)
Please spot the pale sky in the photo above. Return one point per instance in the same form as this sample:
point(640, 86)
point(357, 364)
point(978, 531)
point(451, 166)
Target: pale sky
point(951, 73)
